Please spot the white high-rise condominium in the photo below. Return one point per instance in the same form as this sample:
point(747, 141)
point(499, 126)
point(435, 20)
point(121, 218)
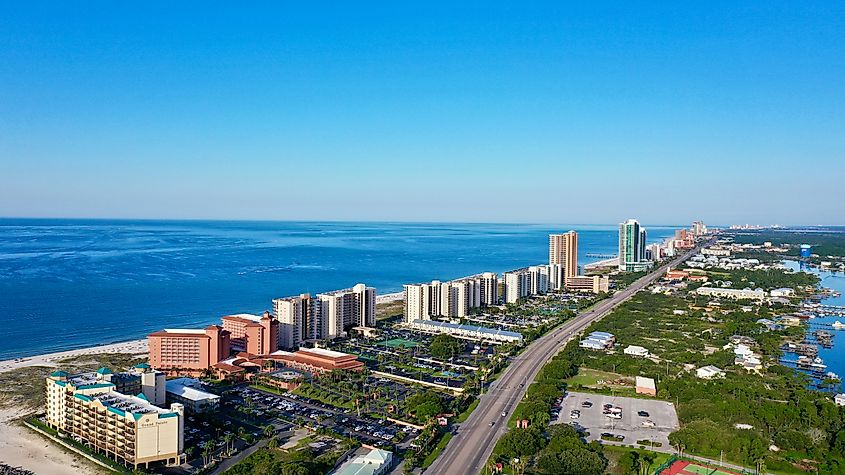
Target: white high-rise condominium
point(299, 320)
point(632, 246)
point(563, 258)
point(525, 282)
point(654, 252)
point(454, 298)
point(539, 279)
point(343, 309)
point(517, 284)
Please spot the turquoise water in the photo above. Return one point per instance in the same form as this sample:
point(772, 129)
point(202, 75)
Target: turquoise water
point(71, 283)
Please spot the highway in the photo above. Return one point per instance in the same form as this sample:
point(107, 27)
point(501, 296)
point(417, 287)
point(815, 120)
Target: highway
point(471, 447)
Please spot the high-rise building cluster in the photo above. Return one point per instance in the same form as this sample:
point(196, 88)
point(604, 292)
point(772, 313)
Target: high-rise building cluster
point(525, 282)
point(294, 320)
point(453, 299)
point(326, 316)
point(684, 239)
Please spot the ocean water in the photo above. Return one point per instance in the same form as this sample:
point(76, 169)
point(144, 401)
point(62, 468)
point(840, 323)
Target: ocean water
point(67, 284)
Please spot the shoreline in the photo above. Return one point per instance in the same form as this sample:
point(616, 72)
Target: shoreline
point(131, 347)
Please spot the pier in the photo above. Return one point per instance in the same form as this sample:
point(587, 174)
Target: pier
point(815, 366)
point(826, 310)
point(803, 349)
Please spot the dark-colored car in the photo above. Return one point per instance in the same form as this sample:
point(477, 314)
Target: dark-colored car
point(642, 414)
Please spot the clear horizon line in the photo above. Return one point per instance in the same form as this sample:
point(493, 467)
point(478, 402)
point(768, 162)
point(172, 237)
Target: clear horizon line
point(386, 221)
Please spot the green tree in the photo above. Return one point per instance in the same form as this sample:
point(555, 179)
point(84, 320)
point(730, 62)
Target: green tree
point(445, 346)
point(520, 443)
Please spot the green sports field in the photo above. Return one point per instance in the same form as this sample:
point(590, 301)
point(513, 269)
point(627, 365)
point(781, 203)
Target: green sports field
point(698, 469)
point(398, 342)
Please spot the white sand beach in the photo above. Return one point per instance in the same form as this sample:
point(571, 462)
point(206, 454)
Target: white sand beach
point(387, 298)
point(20, 447)
point(135, 347)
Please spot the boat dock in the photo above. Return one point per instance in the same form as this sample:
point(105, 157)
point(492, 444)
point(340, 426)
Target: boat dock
point(813, 365)
point(802, 349)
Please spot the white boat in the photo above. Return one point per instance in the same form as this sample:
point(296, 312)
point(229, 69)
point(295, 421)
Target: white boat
point(838, 325)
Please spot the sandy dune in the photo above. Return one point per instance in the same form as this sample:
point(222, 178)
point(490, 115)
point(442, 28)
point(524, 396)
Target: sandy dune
point(128, 347)
point(20, 447)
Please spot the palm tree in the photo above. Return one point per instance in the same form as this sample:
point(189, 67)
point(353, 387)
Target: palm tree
point(207, 448)
point(645, 462)
point(229, 439)
point(268, 430)
point(273, 443)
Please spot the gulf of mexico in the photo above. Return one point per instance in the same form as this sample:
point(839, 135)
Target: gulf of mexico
point(67, 284)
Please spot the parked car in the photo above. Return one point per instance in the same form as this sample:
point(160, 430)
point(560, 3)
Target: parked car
point(643, 414)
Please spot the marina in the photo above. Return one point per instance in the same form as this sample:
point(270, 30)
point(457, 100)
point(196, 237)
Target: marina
point(823, 319)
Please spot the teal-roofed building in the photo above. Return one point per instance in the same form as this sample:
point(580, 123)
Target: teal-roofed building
point(125, 427)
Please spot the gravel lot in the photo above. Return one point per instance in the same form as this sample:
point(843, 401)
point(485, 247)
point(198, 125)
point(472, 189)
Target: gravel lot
point(631, 425)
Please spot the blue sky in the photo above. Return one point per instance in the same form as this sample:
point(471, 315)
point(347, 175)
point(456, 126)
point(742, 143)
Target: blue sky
point(541, 112)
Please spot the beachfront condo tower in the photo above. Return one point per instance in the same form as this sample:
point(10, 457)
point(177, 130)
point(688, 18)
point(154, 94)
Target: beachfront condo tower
point(563, 258)
point(341, 310)
point(299, 320)
point(632, 246)
point(454, 298)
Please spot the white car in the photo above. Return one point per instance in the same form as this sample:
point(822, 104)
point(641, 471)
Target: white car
point(648, 423)
point(504, 414)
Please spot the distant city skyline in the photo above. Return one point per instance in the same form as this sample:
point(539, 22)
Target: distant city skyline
point(438, 112)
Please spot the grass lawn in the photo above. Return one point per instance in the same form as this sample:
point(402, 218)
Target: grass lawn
point(464, 415)
point(437, 450)
point(590, 378)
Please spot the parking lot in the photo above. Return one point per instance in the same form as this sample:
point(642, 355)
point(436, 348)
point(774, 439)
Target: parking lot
point(291, 407)
point(632, 426)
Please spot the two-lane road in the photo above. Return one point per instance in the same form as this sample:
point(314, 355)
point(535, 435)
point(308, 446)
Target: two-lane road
point(468, 451)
